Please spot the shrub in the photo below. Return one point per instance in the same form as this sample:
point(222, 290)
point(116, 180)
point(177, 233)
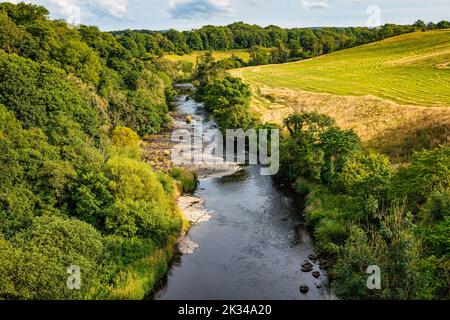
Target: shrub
point(364, 175)
point(124, 137)
point(187, 180)
point(429, 171)
point(34, 265)
point(392, 247)
point(141, 208)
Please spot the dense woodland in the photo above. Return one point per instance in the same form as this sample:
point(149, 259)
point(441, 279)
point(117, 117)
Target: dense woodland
point(73, 187)
point(271, 44)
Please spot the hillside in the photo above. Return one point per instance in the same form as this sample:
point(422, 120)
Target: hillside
point(382, 90)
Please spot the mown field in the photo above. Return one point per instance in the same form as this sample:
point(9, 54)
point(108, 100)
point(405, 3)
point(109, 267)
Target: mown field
point(218, 55)
point(394, 93)
point(409, 69)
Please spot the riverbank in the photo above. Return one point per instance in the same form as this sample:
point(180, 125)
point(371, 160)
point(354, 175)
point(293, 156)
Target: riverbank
point(247, 239)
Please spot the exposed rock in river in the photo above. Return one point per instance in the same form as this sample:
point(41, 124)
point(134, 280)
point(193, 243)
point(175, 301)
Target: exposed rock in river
point(193, 209)
point(186, 245)
point(304, 289)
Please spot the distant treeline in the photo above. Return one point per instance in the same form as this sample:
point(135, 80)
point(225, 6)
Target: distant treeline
point(297, 42)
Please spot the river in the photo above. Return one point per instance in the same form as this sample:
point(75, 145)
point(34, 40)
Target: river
point(253, 246)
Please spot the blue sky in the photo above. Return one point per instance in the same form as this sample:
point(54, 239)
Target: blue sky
point(188, 14)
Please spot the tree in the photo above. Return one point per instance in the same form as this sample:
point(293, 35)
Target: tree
point(443, 24)
point(280, 54)
point(206, 69)
point(226, 93)
point(429, 171)
point(364, 175)
point(420, 24)
point(306, 128)
point(259, 56)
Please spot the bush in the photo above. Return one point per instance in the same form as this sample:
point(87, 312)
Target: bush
point(364, 175)
point(393, 248)
point(124, 137)
point(226, 93)
point(187, 180)
point(142, 208)
point(330, 234)
point(429, 171)
point(34, 265)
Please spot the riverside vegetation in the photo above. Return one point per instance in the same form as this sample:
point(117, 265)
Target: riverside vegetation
point(364, 211)
point(74, 189)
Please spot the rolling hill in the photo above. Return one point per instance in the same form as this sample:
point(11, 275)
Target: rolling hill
point(395, 93)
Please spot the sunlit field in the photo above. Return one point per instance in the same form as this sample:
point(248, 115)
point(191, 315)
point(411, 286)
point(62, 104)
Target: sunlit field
point(409, 69)
point(218, 55)
point(394, 93)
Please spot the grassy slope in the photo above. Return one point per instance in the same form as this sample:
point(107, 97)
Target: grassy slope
point(409, 69)
point(383, 91)
point(218, 55)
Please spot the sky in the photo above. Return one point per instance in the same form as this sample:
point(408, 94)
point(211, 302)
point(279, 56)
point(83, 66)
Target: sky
point(190, 14)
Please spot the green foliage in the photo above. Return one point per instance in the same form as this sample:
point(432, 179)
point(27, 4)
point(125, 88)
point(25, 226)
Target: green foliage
point(365, 174)
point(315, 148)
point(34, 264)
point(46, 95)
point(429, 171)
point(69, 193)
point(435, 228)
point(124, 137)
point(228, 99)
point(126, 142)
point(259, 56)
point(206, 70)
point(392, 247)
point(352, 203)
point(226, 93)
point(142, 208)
point(187, 180)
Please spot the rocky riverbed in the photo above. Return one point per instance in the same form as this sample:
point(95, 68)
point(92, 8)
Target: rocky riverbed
point(247, 238)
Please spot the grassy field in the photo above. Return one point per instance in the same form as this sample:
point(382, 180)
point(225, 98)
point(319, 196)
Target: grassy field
point(409, 69)
point(218, 55)
point(394, 93)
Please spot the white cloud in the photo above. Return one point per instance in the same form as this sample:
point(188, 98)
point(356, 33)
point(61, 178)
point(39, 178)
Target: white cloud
point(315, 4)
point(199, 9)
point(73, 10)
point(116, 8)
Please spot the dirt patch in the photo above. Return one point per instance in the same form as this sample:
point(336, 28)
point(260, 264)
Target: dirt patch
point(445, 65)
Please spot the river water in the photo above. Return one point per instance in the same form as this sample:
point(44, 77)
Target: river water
point(253, 246)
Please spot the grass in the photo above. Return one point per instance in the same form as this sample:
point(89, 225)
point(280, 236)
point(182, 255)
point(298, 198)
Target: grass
point(142, 277)
point(394, 93)
point(409, 69)
point(218, 55)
